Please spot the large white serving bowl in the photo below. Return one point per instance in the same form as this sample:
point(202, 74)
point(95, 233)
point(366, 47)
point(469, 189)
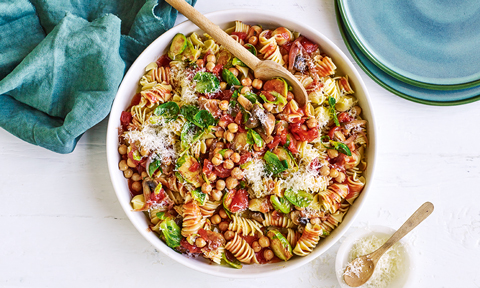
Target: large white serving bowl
point(129, 86)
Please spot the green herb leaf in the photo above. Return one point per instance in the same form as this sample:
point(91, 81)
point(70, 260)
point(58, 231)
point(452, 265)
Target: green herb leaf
point(167, 110)
point(186, 136)
point(180, 162)
point(229, 77)
point(251, 48)
point(238, 62)
point(206, 82)
point(161, 215)
point(339, 146)
point(172, 233)
point(254, 138)
point(203, 119)
point(280, 204)
point(252, 97)
point(154, 166)
point(332, 112)
point(274, 165)
point(298, 198)
point(189, 111)
point(199, 196)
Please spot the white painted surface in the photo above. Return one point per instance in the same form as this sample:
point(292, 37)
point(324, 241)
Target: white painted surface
point(62, 226)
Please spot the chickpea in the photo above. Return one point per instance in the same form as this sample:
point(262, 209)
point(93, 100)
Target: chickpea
point(325, 171)
point(253, 40)
point(304, 127)
point(210, 66)
point(223, 86)
point(234, 71)
point(222, 213)
point(209, 142)
point(130, 163)
point(229, 235)
point(334, 173)
point(256, 247)
point(211, 58)
point(137, 186)
point(219, 133)
point(257, 148)
point(144, 175)
point(229, 136)
point(246, 81)
point(223, 105)
point(340, 178)
point(200, 63)
point(264, 241)
point(257, 84)
point(312, 123)
point(122, 165)
point(216, 195)
point(228, 164)
point(220, 145)
point(268, 254)
point(223, 226)
point(212, 177)
point(144, 151)
point(228, 153)
point(315, 221)
point(268, 106)
point(237, 173)
point(217, 161)
point(222, 123)
point(220, 184)
point(122, 149)
point(216, 219)
point(231, 183)
point(233, 127)
point(200, 242)
point(216, 152)
point(206, 188)
point(128, 173)
point(332, 153)
point(136, 177)
point(235, 157)
point(244, 90)
point(357, 110)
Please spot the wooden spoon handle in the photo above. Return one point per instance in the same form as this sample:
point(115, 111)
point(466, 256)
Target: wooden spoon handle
point(421, 214)
point(215, 32)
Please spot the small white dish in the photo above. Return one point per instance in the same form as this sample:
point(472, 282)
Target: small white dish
point(403, 277)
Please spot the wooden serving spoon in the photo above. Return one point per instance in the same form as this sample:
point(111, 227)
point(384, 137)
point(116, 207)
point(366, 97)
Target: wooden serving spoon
point(367, 263)
point(264, 70)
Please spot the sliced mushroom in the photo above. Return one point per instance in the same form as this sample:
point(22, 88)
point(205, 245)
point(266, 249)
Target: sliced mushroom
point(266, 138)
point(245, 102)
point(354, 124)
point(269, 124)
point(239, 143)
point(211, 105)
point(254, 120)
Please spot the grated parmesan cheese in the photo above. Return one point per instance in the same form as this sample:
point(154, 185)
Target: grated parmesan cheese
point(155, 138)
point(182, 79)
point(387, 268)
point(257, 177)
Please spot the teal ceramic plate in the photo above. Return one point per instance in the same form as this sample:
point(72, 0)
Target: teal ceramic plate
point(404, 90)
point(426, 43)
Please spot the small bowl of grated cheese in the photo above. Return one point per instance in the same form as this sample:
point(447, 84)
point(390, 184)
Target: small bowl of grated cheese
point(393, 270)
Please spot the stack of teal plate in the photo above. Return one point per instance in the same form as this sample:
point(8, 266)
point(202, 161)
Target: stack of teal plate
point(427, 51)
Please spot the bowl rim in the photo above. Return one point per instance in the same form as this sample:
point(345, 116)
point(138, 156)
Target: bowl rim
point(349, 241)
point(112, 154)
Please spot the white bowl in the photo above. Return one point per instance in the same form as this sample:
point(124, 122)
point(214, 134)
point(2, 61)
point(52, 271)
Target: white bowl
point(128, 88)
point(405, 274)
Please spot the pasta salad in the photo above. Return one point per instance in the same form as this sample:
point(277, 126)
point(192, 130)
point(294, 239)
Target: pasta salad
point(228, 166)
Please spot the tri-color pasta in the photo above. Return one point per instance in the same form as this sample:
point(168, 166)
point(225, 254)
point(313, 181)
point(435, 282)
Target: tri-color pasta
point(230, 167)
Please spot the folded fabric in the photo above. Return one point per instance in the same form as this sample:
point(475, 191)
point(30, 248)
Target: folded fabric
point(61, 62)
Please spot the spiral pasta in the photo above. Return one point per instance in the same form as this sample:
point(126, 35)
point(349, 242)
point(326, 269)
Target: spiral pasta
point(215, 255)
point(208, 209)
point(241, 250)
point(333, 196)
point(245, 226)
point(192, 218)
point(324, 66)
point(279, 221)
point(241, 27)
point(355, 186)
point(308, 240)
point(159, 93)
point(293, 236)
point(270, 49)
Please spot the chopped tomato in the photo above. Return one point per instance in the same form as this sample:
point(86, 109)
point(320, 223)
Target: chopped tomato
point(191, 248)
point(239, 201)
point(332, 131)
point(269, 96)
point(226, 118)
point(195, 166)
point(303, 135)
point(239, 118)
point(314, 164)
point(221, 172)
point(213, 239)
point(308, 45)
point(158, 198)
point(241, 35)
point(207, 168)
point(275, 85)
point(125, 119)
point(292, 146)
point(136, 162)
point(250, 239)
point(245, 158)
point(344, 117)
point(278, 139)
point(217, 68)
point(260, 257)
point(287, 46)
point(164, 61)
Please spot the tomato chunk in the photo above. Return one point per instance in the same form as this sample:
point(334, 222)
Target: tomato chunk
point(308, 45)
point(344, 117)
point(303, 135)
point(125, 119)
point(239, 201)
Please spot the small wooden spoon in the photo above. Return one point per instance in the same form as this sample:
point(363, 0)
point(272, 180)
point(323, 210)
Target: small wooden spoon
point(367, 263)
point(263, 70)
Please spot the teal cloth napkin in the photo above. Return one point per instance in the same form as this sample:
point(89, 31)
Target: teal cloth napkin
point(61, 62)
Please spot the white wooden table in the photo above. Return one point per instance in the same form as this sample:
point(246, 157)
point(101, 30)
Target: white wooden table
point(62, 226)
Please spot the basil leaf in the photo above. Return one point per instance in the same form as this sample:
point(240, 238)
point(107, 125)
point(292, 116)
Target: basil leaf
point(189, 111)
point(206, 82)
point(298, 198)
point(203, 119)
point(199, 196)
point(229, 77)
point(274, 165)
point(172, 233)
point(154, 166)
point(238, 62)
point(252, 97)
point(168, 110)
point(254, 138)
point(180, 162)
point(251, 48)
point(342, 148)
point(280, 204)
point(332, 112)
